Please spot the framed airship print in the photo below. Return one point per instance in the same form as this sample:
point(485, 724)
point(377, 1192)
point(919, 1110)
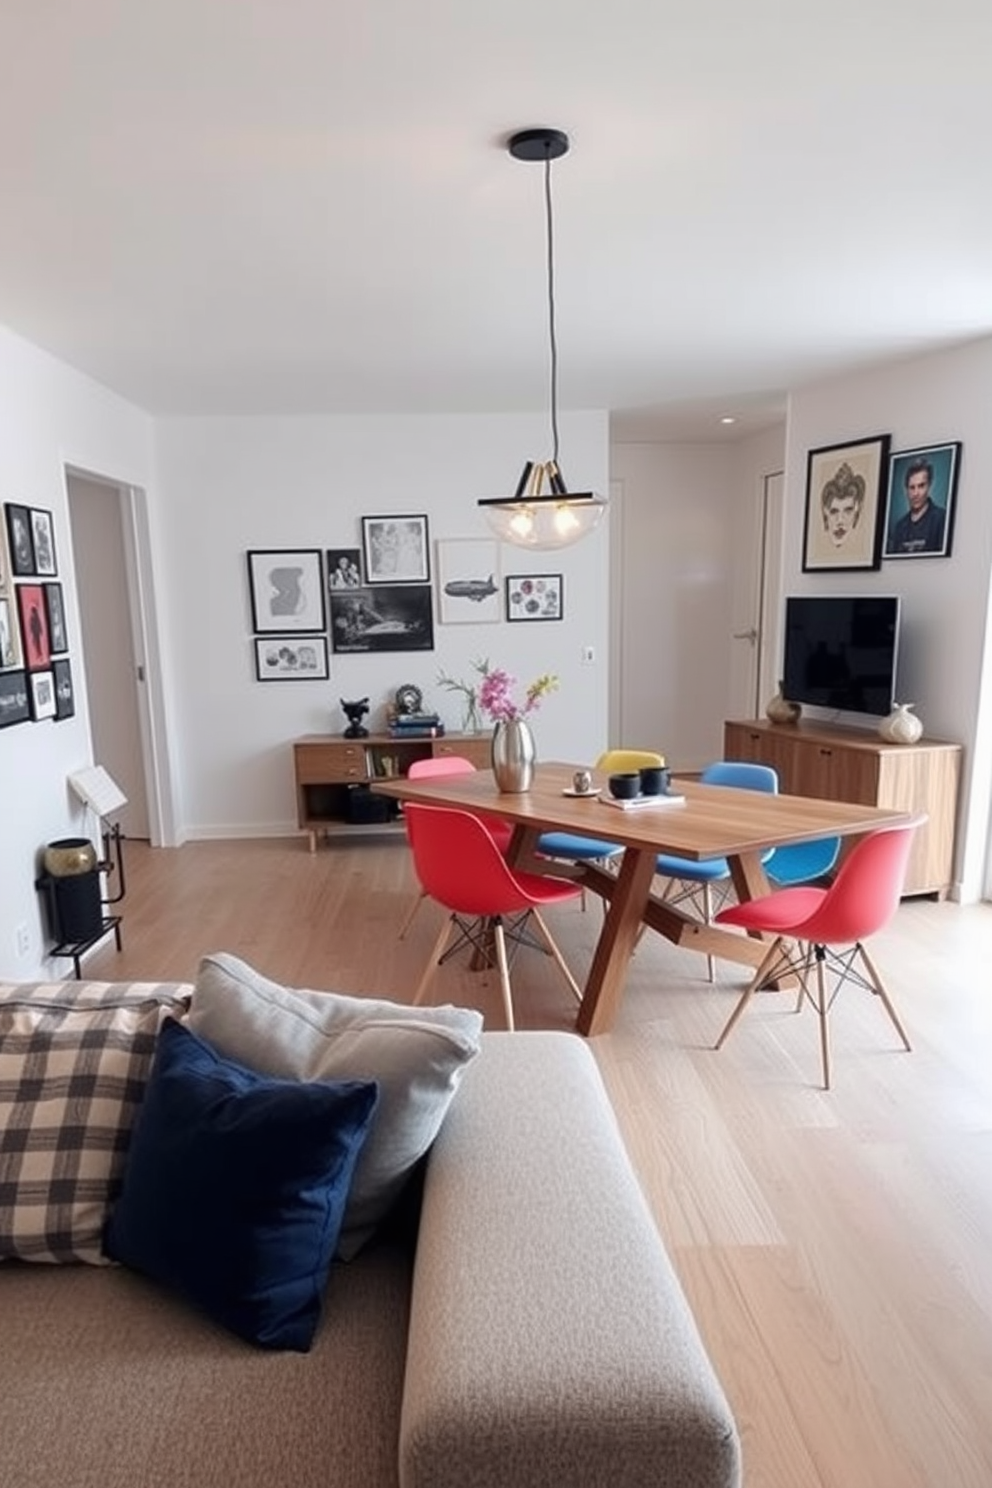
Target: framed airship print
point(468, 583)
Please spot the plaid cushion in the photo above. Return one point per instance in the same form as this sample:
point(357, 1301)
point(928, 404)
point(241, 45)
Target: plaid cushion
point(74, 1060)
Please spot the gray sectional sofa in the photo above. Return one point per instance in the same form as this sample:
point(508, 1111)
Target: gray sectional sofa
point(527, 1330)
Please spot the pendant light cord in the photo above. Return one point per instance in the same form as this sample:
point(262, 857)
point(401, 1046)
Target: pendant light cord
point(551, 307)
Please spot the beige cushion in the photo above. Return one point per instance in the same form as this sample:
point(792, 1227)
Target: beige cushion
point(416, 1054)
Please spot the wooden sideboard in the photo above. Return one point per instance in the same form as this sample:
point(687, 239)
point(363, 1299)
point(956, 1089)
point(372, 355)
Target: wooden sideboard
point(846, 764)
point(330, 769)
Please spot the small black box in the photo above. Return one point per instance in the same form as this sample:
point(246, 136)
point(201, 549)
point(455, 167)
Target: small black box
point(365, 808)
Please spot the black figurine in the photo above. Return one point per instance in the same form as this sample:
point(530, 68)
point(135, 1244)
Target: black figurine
point(355, 712)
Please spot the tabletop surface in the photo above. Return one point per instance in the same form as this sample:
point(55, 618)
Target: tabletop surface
point(715, 821)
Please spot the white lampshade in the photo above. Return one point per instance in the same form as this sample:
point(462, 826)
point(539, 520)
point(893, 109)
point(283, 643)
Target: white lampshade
point(544, 522)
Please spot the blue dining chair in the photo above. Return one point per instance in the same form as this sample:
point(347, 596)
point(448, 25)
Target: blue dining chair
point(693, 883)
point(802, 862)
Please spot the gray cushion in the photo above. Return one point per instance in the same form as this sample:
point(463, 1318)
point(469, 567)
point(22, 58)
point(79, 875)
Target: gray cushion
point(417, 1055)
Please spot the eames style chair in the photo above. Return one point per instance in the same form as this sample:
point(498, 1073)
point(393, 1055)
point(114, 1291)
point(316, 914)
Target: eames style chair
point(825, 929)
point(693, 883)
point(460, 866)
point(802, 862)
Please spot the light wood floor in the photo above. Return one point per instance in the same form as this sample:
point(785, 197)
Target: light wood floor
point(836, 1248)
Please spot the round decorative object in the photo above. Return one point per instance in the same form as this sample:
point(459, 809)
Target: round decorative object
point(69, 856)
point(409, 698)
point(902, 725)
point(513, 755)
point(780, 710)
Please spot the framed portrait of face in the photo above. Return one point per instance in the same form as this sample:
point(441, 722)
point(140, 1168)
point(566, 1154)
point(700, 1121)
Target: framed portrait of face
point(922, 499)
point(843, 527)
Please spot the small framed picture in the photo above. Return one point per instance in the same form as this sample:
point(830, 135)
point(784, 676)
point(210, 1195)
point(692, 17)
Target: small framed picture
point(844, 505)
point(468, 581)
point(56, 618)
point(919, 512)
point(41, 686)
point(15, 706)
point(65, 696)
point(344, 568)
point(396, 550)
point(5, 573)
point(389, 617)
point(20, 541)
point(10, 635)
point(535, 597)
point(287, 659)
point(287, 590)
point(35, 640)
point(44, 543)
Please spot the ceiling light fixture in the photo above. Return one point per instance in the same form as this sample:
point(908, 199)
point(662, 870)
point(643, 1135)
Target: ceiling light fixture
point(533, 517)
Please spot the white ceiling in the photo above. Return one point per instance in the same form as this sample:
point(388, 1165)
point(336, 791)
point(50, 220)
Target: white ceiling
point(265, 206)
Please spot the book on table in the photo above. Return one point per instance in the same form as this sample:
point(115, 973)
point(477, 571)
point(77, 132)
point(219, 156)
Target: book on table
point(641, 803)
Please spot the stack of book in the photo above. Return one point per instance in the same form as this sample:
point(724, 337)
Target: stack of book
point(416, 726)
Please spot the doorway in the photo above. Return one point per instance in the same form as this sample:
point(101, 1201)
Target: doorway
point(755, 638)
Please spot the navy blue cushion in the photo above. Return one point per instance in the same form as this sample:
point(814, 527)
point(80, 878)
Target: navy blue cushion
point(235, 1186)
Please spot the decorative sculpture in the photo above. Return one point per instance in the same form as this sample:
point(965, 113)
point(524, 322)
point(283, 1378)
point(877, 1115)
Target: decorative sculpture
point(355, 712)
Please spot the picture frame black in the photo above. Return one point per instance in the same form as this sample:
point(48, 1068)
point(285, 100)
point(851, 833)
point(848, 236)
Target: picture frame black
point(925, 478)
point(11, 652)
point(57, 634)
point(396, 549)
point(344, 568)
point(844, 509)
point(15, 705)
point(43, 536)
point(36, 644)
point(286, 586)
point(20, 542)
point(41, 690)
point(288, 658)
point(65, 692)
point(384, 617)
point(532, 597)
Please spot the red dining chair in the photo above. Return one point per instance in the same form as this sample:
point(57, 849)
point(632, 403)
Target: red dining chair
point(459, 864)
point(440, 765)
point(826, 927)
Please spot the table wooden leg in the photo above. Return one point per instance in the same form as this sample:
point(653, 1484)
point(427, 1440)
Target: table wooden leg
point(608, 973)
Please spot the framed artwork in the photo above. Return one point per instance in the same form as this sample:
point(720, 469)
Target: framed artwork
point(19, 540)
point(535, 597)
point(41, 687)
point(286, 659)
point(396, 550)
point(388, 617)
point(35, 640)
point(287, 590)
point(467, 581)
point(843, 527)
point(344, 568)
point(44, 543)
point(55, 611)
point(919, 510)
point(65, 696)
point(5, 574)
point(14, 704)
point(11, 654)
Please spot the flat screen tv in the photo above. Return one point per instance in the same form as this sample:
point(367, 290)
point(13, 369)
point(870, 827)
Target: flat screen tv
point(841, 653)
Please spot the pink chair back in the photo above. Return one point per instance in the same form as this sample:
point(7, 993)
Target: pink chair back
point(441, 764)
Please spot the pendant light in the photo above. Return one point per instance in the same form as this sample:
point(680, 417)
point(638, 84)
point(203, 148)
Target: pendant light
point(535, 517)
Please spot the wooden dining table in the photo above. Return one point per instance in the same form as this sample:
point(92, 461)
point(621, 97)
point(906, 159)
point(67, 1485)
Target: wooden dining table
point(709, 822)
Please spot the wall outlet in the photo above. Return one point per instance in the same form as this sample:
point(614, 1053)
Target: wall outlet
point(22, 940)
point(588, 653)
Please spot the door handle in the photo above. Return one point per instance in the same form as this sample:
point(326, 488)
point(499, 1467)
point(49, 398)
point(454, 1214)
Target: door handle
point(746, 635)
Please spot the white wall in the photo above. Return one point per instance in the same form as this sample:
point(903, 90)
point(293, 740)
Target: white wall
point(945, 602)
point(228, 485)
point(51, 416)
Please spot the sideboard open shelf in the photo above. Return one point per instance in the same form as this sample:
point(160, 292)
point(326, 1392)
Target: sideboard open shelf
point(333, 775)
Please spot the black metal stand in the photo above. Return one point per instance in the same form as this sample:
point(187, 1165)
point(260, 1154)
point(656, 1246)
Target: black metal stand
point(76, 949)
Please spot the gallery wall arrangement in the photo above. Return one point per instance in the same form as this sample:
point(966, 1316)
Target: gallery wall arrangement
point(35, 670)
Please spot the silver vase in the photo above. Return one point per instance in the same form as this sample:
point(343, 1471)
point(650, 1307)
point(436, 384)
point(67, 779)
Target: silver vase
point(513, 755)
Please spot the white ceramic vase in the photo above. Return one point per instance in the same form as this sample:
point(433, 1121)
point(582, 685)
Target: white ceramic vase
point(513, 756)
point(902, 726)
point(780, 710)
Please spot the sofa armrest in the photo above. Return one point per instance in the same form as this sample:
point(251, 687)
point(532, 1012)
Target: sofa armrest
point(550, 1342)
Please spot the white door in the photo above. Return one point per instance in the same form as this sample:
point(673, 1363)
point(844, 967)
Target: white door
point(755, 637)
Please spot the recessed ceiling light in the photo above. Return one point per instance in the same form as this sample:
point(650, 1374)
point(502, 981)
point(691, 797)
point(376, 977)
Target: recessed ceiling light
point(728, 418)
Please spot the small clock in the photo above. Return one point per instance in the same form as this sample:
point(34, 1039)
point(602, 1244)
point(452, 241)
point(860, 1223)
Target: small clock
point(409, 698)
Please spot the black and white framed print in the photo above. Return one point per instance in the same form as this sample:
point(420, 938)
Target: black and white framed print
point(468, 589)
point(388, 617)
point(287, 590)
point(56, 618)
point(344, 568)
point(41, 686)
point(844, 505)
point(19, 539)
point(289, 659)
point(396, 550)
point(43, 537)
point(65, 695)
point(535, 597)
point(11, 654)
point(922, 497)
point(15, 706)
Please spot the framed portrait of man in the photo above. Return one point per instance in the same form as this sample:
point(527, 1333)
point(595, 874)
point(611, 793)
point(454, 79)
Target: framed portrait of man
point(922, 496)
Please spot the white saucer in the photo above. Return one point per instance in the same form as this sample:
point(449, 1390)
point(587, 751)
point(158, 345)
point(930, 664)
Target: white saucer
point(580, 795)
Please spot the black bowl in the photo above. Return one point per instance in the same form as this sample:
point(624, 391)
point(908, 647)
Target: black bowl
point(626, 786)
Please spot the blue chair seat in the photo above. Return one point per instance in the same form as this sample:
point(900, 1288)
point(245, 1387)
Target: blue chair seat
point(710, 871)
point(802, 862)
point(582, 849)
